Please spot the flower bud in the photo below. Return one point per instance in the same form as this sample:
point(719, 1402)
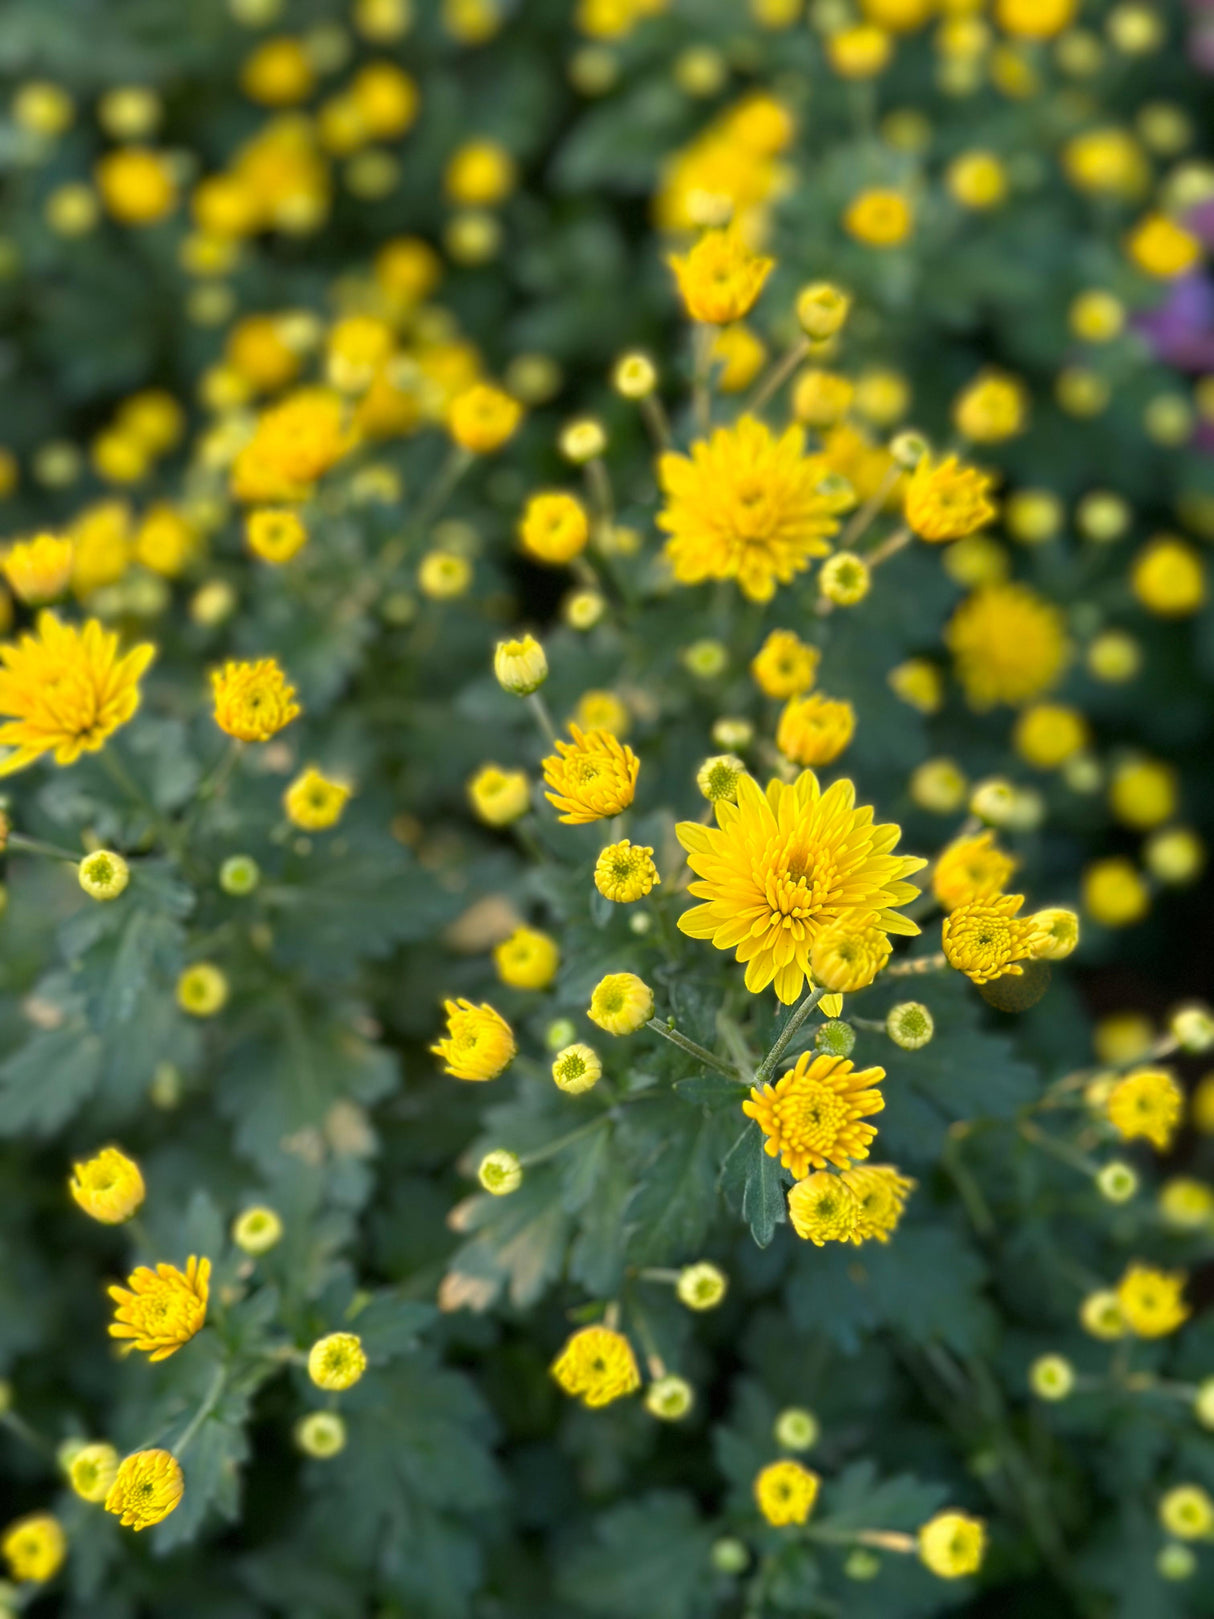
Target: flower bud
point(320, 1434)
point(908, 448)
point(1117, 1182)
point(717, 778)
point(835, 1038)
point(103, 875)
point(1061, 931)
point(635, 376)
point(1175, 1562)
point(729, 1556)
point(1203, 1403)
point(796, 1429)
point(500, 1172)
point(1051, 1377)
point(910, 1025)
point(844, 579)
point(577, 1068)
point(993, 801)
point(520, 666)
point(822, 308)
point(583, 440)
point(729, 732)
point(701, 1286)
point(1192, 1027)
point(560, 1032)
point(257, 1230)
point(862, 1564)
point(669, 1399)
point(239, 874)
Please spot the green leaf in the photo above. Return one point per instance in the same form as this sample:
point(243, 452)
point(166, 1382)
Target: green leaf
point(755, 1181)
point(649, 1560)
point(389, 1325)
point(46, 1082)
point(676, 1199)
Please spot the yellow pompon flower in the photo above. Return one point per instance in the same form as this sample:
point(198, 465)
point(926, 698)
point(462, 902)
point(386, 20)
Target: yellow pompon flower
point(946, 501)
point(986, 939)
point(136, 185)
point(745, 506)
point(1048, 734)
point(591, 778)
point(482, 418)
point(784, 666)
point(336, 1362)
point(1114, 892)
point(275, 533)
point(39, 569)
point(992, 408)
point(879, 218)
point(295, 443)
point(528, 959)
point(814, 730)
point(972, 871)
point(499, 796)
point(163, 1308)
point(148, 1486)
point(1160, 247)
point(783, 866)
point(34, 1548)
point(202, 990)
point(813, 1115)
point(823, 1208)
point(952, 1545)
point(554, 527)
point(625, 872)
point(253, 701)
point(785, 1493)
point(93, 1471)
point(603, 711)
point(577, 1068)
point(621, 1003)
point(1151, 1301)
point(881, 1195)
point(109, 1187)
point(739, 357)
point(479, 1043)
point(597, 1366)
point(65, 691)
point(1147, 1102)
point(720, 279)
point(848, 957)
point(1058, 933)
point(1169, 577)
point(1187, 1512)
point(314, 802)
point(1009, 645)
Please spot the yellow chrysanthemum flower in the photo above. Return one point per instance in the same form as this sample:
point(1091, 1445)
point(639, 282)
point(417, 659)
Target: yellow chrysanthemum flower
point(1114, 893)
point(499, 796)
point(275, 533)
point(813, 1115)
point(295, 443)
point(1151, 1301)
point(745, 506)
point(1187, 1512)
point(784, 666)
point(1147, 1102)
point(881, 1195)
point(591, 778)
point(255, 1231)
point(109, 1187)
point(992, 408)
point(985, 939)
point(479, 1043)
point(823, 1208)
point(528, 959)
point(1168, 577)
point(337, 1361)
point(554, 527)
point(1009, 645)
point(166, 541)
point(782, 867)
point(952, 1545)
point(253, 701)
point(482, 418)
point(946, 501)
point(1160, 247)
point(92, 1472)
point(65, 691)
point(785, 1492)
point(520, 665)
point(848, 957)
point(1048, 734)
point(721, 278)
point(603, 711)
point(625, 872)
point(576, 1069)
point(738, 355)
point(814, 730)
point(148, 1486)
point(597, 1366)
point(314, 802)
point(34, 1548)
point(39, 569)
point(972, 871)
point(879, 218)
point(136, 185)
point(202, 990)
point(163, 1308)
point(621, 1003)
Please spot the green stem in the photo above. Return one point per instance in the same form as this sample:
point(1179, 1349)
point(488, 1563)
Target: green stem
point(122, 779)
point(212, 785)
point(542, 1154)
point(22, 1429)
point(52, 851)
point(694, 1049)
point(865, 514)
point(702, 339)
point(786, 1034)
point(210, 1401)
point(543, 718)
point(778, 376)
point(1061, 1150)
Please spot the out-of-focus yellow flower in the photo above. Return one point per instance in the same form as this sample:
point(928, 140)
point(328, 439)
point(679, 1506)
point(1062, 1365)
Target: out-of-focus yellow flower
point(202, 990)
point(821, 398)
point(859, 52)
point(479, 1043)
point(880, 1193)
point(720, 279)
point(879, 218)
point(554, 527)
point(972, 871)
point(165, 541)
point(499, 796)
point(1114, 893)
point(336, 1362)
point(1152, 1302)
point(919, 683)
point(1009, 645)
point(1162, 248)
point(1107, 161)
point(992, 408)
point(92, 1472)
point(1143, 793)
point(483, 418)
point(528, 959)
point(952, 1544)
point(815, 730)
point(1147, 1102)
point(162, 1309)
point(275, 533)
point(147, 1487)
point(34, 1548)
point(784, 665)
point(108, 1187)
point(279, 73)
point(946, 501)
point(295, 443)
point(253, 701)
point(739, 355)
point(620, 1003)
point(480, 174)
point(977, 180)
point(40, 569)
point(257, 349)
point(597, 1366)
point(1169, 577)
point(314, 802)
point(136, 185)
point(1048, 734)
point(785, 1493)
point(1096, 316)
point(386, 99)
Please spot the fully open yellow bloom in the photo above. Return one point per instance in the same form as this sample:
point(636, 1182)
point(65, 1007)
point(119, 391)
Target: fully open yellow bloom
point(946, 501)
point(720, 279)
point(823, 1209)
point(784, 666)
point(34, 1547)
point(163, 1308)
point(746, 506)
point(1009, 645)
point(93, 1470)
point(591, 778)
point(625, 872)
point(314, 802)
point(253, 700)
point(479, 1043)
point(848, 957)
point(39, 569)
point(785, 1492)
point(1147, 1102)
point(881, 1195)
point(148, 1486)
point(985, 939)
point(620, 1003)
point(879, 218)
point(336, 1362)
point(108, 1187)
point(783, 866)
point(295, 443)
point(65, 691)
point(813, 1115)
point(952, 1544)
point(482, 418)
point(971, 871)
point(1152, 1302)
point(528, 959)
point(597, 1366)
point(275, 533)
point(814, 730)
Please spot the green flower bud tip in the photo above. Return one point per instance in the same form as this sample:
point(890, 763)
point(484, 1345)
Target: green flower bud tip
point(910, 1025)
point(729, 1556)
point(104, 874)
point(862, 1564)
point(1052, 1377)
point(239, 874)
point(701, 1286)
point(500, 1173)
point(797, 1429)
point(836, 1038)
point(669, 1398)
point(1176, 1562)
point(321, 1434)
point(1117, 1182)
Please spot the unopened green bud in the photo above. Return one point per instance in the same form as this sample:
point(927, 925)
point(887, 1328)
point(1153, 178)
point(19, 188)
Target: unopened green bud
point(910, 1025)
point(822, 309)
point(862, 1564)
point(239, 874)
point(1051, 1377)
point(500, 1172)
point(836, 1038)
point(321, 1434)
point(908, 448)
point(669, 1399)
point(729, 1555)
point(1117, 1181)
point(103, 874)
point(701, 1286)
point(796, 1429)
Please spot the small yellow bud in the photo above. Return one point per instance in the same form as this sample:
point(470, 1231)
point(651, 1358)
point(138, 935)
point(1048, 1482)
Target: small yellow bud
point(635, 376)
point(202, 990)
point(1117, 1182)
point(908, 448)
point(1192, 1027)
point(796, 1429)
point(910, 1025)
point(822, 309)
point(844, 579)
point(103, 874)
point(257, 1230)
point(320, 1434)
point(1061, 930)
point(701, 1286)
point(239, 874)
point(717, 778)
point(583, 440)
point(520, 666)
point(731, 733)
point(337, 1361)
point(500, 1172)
point(1051, 1377)
point(576, 1068)
point(669, 1399)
